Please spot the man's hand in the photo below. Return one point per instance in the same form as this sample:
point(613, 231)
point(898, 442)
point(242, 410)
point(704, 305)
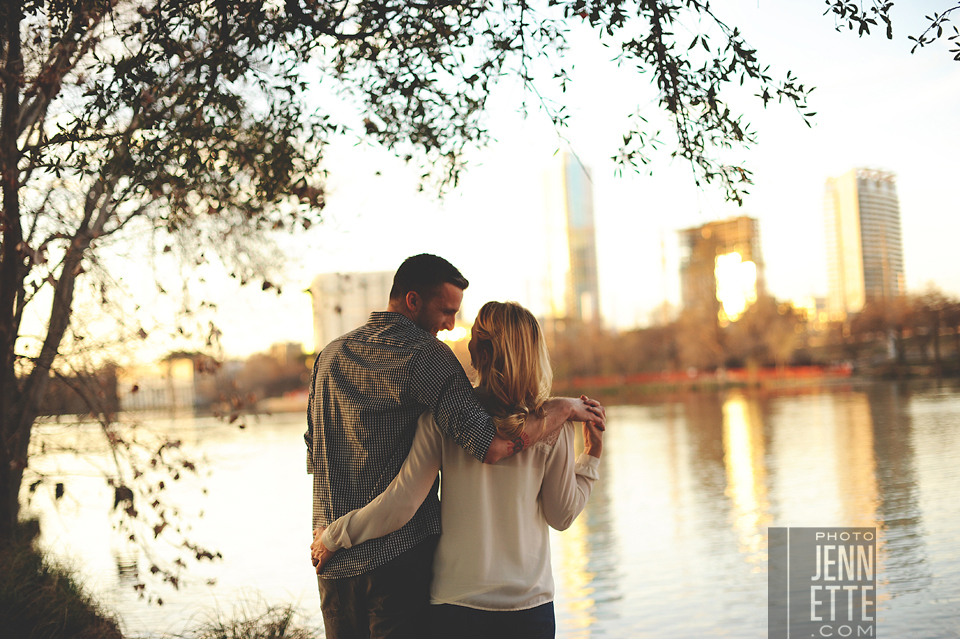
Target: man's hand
point(592, 440)
point(593, 413)
point(558, 411)
point(319, 554)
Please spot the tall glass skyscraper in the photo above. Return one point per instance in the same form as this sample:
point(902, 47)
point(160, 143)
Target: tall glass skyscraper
point(864, 245)
point(571, 243)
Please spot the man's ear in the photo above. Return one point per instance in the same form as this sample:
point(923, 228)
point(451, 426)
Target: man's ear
point(414, 301)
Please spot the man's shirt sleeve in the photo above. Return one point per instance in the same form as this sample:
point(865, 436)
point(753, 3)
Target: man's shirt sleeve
point(438, 381)
point(308, 436)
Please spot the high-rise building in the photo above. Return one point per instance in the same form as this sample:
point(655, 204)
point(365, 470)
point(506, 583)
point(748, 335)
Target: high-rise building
point(864, 246)
point(571, 243)
point(344, 301)
point(721, 267)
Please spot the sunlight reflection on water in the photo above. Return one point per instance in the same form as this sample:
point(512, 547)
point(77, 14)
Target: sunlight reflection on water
point(673, 540)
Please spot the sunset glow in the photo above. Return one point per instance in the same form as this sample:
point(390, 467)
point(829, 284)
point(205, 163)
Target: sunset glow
point(455, 335)
point(736, 285)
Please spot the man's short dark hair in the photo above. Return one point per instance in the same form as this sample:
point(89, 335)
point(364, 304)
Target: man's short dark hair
point(425, 274)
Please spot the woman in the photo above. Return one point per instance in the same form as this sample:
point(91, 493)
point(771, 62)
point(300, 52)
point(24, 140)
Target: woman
point(491, 574)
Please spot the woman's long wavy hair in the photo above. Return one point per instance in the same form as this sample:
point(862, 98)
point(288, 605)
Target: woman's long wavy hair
point(511, 358)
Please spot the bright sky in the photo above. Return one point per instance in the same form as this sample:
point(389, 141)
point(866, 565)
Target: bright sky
point(877, 106)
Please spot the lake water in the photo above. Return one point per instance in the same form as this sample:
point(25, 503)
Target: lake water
point(672, 543)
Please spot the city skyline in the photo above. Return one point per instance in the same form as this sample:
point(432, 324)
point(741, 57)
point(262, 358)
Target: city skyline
point(878, 106)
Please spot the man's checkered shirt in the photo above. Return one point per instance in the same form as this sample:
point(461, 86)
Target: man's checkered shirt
point(369, 388)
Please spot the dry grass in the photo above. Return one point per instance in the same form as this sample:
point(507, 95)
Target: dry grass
point(41, 600)
point(253, 621)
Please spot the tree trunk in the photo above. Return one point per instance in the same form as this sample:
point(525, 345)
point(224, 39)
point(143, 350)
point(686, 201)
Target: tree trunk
point(11, 475)
point(936, 343)
point(10, 268)
point(13, 461)
point(9, 504)
point(20, 398)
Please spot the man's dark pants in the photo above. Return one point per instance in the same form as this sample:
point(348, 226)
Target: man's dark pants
point(391, 601)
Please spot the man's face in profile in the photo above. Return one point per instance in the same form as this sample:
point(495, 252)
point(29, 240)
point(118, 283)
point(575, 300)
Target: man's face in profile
point(439, 312)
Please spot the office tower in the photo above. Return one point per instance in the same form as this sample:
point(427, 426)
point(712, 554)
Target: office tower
point(344, 301)
point(571, 243)
point(721, 267)
point(864, 246)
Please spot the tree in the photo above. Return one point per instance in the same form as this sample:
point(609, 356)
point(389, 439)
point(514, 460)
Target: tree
point(765, 334)
point(933, 311)
point(951, 319)
point(889, 318)
point(121, 119)
point(700, 340)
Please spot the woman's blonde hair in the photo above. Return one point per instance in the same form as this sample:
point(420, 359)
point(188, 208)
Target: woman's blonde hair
point(511, 358)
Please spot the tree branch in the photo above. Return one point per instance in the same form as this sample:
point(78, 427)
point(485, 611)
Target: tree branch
point(97, 201)
point(61, 60)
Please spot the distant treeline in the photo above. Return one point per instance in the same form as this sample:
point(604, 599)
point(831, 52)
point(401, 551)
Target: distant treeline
point(80, 394)
point(917, 333)
point(229, 386)
point(914, 334)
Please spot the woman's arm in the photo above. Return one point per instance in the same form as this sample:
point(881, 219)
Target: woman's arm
point(567, 486)
point(396, 505)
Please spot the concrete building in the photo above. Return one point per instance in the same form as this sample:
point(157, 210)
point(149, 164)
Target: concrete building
point(168, 384)
point(286, 353)
point(573, 290)
point(863, 241)
point(721, 267)
point(344, 301)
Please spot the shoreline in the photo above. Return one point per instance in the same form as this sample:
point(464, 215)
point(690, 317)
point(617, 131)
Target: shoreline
point(643, 387)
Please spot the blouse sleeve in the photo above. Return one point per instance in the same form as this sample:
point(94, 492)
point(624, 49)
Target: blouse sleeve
point(396, 505)
point(566, 486)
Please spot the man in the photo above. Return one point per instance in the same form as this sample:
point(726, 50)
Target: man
point(368, 389)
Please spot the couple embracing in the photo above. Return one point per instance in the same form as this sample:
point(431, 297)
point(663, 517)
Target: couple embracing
point(390, 407)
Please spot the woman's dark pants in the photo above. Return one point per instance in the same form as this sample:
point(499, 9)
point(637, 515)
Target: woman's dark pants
point(459, 622)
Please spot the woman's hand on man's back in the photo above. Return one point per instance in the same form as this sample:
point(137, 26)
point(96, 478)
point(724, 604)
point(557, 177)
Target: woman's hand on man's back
point(320, 554)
